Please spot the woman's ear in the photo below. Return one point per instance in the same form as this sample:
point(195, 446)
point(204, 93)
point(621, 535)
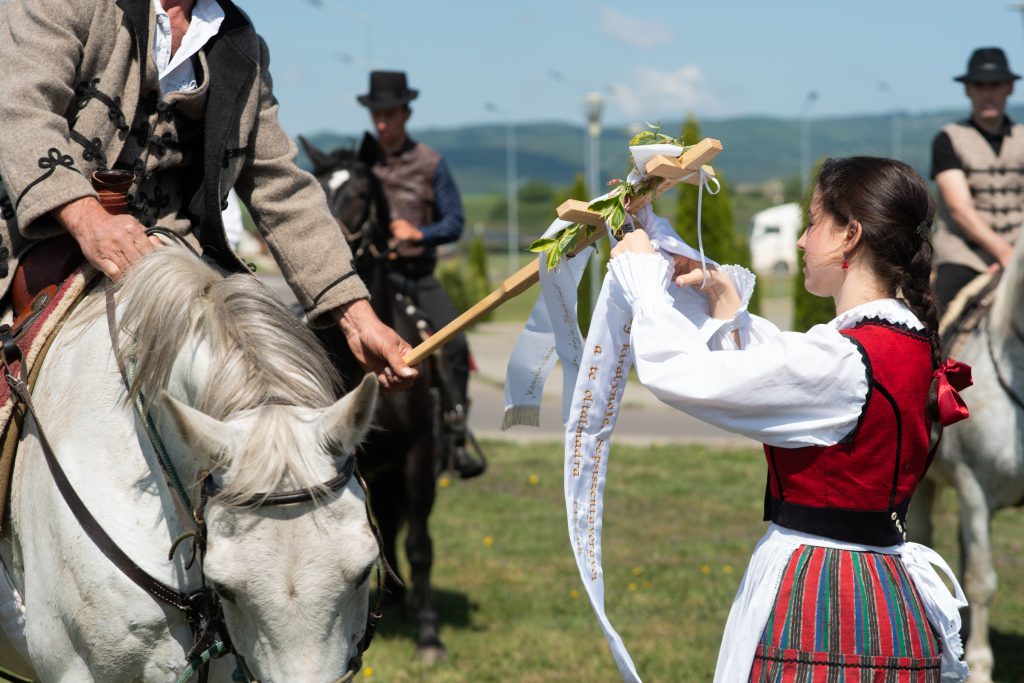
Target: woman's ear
point(854, 232)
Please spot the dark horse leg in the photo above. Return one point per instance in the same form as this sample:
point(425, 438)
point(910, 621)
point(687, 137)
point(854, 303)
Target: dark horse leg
point(420, 488)
point(386, 502)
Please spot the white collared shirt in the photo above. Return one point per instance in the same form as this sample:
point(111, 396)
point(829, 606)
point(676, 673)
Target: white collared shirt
point(176, 72)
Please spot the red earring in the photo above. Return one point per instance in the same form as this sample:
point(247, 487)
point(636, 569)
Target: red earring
point(846, 266)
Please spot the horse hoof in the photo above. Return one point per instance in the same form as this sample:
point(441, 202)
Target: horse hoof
point(431, 654)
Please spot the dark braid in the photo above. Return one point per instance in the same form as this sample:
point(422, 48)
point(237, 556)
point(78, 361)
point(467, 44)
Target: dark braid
point(895, 210)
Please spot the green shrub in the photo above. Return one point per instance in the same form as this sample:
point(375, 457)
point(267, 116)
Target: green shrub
point(465, 277)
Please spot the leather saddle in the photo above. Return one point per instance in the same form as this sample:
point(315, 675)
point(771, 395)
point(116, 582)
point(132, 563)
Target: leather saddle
point(39, 273)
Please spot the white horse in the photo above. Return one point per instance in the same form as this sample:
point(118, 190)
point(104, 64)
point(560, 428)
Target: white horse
point(982, 457)
point(243, 391)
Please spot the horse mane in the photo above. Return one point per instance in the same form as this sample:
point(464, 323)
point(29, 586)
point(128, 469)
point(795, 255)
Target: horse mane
point(259, 354)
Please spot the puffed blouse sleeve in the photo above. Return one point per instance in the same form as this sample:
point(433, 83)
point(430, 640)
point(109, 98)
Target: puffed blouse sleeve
point(785, 389)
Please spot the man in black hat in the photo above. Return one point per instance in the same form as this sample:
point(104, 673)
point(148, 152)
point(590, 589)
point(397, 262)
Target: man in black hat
point(426, 211)
point(978, 165)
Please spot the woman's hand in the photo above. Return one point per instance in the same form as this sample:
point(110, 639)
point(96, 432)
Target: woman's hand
point(723, 299)
point(636, 242)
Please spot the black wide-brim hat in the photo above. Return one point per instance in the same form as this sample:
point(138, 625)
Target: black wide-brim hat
point(388, 89)
point(987, 65)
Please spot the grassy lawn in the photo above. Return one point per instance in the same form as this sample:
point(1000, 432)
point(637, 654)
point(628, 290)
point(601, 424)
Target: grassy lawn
point(680, 523)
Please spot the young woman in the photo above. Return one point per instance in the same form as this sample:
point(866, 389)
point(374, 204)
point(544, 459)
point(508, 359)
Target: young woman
point(845, 411)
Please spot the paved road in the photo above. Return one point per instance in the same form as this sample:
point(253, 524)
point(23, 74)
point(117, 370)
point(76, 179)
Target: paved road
point(642, 420)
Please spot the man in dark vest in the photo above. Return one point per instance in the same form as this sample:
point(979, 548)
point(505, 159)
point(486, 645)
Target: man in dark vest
point(978, 165)
point(426, 211)
point(176, 93)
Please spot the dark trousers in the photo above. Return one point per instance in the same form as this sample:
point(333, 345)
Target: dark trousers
point(950, 278)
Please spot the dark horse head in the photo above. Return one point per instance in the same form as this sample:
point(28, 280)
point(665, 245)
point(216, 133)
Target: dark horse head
point(356, 200)
point(400, 456)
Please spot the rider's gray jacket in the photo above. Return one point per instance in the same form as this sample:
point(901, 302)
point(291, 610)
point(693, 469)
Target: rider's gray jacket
point(75, 97)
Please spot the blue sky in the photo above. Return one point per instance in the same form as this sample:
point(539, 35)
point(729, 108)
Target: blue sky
point(535, 60)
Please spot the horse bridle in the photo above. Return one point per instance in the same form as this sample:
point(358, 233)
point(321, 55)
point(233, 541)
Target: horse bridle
point(1006, 386)
point(324, 491)
point(201, 608)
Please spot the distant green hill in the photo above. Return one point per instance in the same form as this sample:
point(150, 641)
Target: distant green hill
point(756, 148)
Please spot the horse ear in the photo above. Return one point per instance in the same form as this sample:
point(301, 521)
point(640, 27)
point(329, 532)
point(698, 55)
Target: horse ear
point(346, 422)
point(207, 436)
point(319, 159)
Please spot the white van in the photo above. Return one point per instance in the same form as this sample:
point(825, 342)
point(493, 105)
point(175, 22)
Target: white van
point(773, 235)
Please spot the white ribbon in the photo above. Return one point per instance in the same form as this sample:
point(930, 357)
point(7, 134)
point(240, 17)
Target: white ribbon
point(552, 332)
point(703, 185)
point(590, 399)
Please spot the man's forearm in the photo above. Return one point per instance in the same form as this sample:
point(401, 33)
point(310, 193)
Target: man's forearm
point(976, 228)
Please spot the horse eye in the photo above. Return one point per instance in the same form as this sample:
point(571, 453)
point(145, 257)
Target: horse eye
point(365, 576)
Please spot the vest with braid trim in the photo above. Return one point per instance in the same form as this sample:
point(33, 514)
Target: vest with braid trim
point(997, 191)
point(859, 489)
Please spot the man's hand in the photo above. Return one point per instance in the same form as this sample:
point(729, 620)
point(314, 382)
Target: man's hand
point(404, 231)
point(110, 243)
point(375, 345)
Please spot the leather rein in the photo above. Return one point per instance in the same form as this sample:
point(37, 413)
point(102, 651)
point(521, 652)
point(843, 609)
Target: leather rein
point(1005, 385)
point(200, 608)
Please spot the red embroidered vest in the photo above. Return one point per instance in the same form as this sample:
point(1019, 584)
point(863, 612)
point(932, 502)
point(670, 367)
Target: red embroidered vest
point(859, 489)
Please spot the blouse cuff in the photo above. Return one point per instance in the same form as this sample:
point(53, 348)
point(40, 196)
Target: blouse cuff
point(717, 331)
point(643, 277)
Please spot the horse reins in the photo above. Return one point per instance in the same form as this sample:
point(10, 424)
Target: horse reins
point(201, 608)
point(1006, 386)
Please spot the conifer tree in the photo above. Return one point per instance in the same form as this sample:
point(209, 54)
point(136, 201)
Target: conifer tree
point(578, 190)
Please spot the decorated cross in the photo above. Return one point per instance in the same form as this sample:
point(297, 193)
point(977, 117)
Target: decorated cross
point(587, 226)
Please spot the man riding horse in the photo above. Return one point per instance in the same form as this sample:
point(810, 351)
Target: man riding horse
point(177, 94)
point(425, 212)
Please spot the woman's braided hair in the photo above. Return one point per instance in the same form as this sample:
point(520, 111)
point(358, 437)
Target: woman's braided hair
point(895, 210)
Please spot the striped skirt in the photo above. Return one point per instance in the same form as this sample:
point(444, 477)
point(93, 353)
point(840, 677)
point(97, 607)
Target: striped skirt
point(850, 617)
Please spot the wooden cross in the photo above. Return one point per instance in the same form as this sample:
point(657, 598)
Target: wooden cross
point(686, 168)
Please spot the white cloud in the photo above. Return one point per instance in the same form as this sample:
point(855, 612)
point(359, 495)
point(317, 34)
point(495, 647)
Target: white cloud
point(634, 32)
point(651, 93)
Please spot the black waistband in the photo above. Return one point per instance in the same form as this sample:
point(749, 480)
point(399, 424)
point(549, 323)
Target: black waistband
point(866, 527)
point(420, 266)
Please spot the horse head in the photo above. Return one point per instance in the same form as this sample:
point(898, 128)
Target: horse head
point(354, 196)
point(294, 578)
point(247, 411)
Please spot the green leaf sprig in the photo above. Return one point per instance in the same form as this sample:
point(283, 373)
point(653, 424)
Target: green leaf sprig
point(611, 208)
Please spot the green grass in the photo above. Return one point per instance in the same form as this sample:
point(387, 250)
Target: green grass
point(680, 524)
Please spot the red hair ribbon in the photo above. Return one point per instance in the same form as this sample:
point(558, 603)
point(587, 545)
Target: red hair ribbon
point(953, 377)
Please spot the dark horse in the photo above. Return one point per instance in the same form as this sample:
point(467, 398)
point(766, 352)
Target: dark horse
point(401, 456)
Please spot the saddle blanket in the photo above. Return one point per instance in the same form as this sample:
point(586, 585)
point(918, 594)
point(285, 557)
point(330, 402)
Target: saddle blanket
point(34, 339)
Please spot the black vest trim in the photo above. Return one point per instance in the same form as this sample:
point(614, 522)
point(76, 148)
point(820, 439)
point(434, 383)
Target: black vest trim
point(869, 373)
point(866, 527)
point(136, 13)
point(236, 71)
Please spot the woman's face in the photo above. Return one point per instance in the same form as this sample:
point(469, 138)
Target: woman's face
point(822, 244)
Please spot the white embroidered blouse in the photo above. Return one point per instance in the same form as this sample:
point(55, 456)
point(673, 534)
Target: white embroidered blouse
point(785, 389)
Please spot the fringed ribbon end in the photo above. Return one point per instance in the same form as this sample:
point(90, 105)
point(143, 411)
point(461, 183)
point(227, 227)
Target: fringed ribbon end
point(521, 415)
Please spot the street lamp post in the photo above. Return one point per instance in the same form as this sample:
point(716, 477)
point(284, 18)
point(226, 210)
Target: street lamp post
point(364, 19)
point(593, 104)
point(895, 123)
point(511, 176)
point(805, 141)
